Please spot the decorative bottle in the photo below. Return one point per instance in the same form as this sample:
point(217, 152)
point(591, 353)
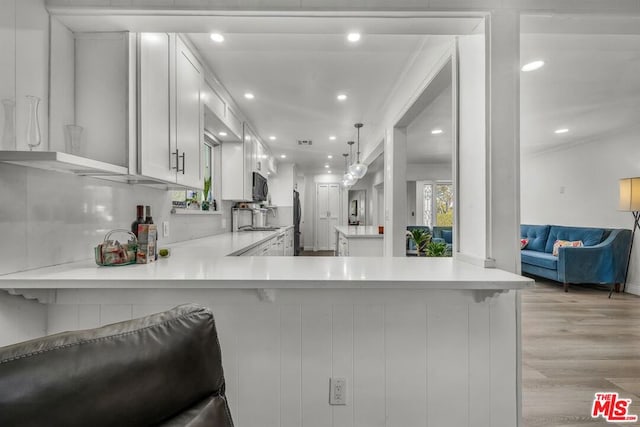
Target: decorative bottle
point(139, 219)
point(33, 126)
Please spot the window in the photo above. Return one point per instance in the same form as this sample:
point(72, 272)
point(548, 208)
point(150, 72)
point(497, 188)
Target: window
point(438, 207)
point(207, 199)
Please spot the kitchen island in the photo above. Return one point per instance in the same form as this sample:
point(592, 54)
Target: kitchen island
point(419, 341)
point(359, 240)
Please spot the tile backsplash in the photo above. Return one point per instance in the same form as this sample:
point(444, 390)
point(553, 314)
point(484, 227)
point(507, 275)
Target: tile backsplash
point(49, 218)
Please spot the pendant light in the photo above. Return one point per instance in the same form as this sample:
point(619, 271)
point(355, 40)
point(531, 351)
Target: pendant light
point(358, 170)
point(348, 179)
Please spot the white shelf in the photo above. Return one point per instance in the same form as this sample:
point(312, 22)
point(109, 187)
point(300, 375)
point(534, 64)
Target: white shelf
point(61, 162)
point(193, 212)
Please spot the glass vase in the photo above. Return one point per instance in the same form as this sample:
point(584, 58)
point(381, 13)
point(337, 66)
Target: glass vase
point(33, 125)
point(73, 141)
point(8, 141)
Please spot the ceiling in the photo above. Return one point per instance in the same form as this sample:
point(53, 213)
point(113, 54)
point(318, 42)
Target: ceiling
point(589, 85)
point(295, 80)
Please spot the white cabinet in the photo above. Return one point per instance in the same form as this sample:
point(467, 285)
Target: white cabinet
point(288, 243)
point(189, 118)
point(238, 165)
point(170, 111)
point(156, 144)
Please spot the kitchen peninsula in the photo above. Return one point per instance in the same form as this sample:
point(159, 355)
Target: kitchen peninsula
point(359, 241)
point(434, 338)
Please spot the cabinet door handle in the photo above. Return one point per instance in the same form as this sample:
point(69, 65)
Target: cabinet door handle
point(182, 156)
point(176, 153)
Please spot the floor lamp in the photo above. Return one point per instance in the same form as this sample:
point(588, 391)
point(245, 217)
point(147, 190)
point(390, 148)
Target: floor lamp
point(630, 202)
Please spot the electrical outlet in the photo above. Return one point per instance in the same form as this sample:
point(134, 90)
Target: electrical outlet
point(165, 229)
point(337, 391)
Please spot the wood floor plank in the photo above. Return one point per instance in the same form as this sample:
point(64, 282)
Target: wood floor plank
point(573, 345)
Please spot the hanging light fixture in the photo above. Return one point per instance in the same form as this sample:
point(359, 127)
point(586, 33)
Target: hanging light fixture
point(358, 170)
point(348, 179)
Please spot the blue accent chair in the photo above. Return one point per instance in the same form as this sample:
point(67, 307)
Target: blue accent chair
point(444, 234)
point(602, 260)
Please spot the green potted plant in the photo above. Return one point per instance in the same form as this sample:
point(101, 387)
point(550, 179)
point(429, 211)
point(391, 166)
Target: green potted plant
point(206, 194)
point(436, 249)
point(420, 238)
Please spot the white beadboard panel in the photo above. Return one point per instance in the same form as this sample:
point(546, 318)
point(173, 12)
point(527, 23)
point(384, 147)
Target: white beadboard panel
point(13, 224)
point(411, 358)
point(406, 364)
point(226, 317)
point(503, 360)
point(447, 364)
point(259, 367)
point(479, 364)
point(112, 313)
point(89, 316)
point(342, 360)
point(369, 367)
point(316, 365)
point(290, 366)
point(61, 318)
point(20, 319)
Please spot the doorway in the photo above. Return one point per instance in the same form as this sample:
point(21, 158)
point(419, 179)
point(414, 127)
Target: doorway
point(328, 208)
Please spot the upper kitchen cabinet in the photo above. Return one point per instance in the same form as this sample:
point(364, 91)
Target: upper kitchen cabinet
point(238, 166)
point(169, 111)
point(189, 118)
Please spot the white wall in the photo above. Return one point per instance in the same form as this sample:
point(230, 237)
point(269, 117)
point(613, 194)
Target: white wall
point(578, 186)
point(471, 183)
point(49, 218)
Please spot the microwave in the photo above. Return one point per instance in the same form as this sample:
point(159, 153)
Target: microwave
point(260, 188)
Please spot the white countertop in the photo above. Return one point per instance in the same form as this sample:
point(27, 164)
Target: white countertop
point(200, 264)
point(359, 231)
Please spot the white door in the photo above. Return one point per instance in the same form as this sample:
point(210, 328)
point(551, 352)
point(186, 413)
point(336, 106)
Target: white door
point(328, 213)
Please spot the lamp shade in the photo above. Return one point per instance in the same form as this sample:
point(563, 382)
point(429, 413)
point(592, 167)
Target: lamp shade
point(629, 194)
point(358, 170)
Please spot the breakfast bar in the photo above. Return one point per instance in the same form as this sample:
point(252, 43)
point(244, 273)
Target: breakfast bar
point(416, 339)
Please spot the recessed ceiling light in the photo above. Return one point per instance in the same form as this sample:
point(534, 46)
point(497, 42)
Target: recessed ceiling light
point(328, 171)
point(533, 65)
point(249, 95)
point(217, 37)
point(436, 132)
point(332, 138)
point(341, 97)
point(353, 37)
point(326, 166)
point(273, 138)
point(329, 156)
point(283, 156)
point(223, 133)
point(561, 130)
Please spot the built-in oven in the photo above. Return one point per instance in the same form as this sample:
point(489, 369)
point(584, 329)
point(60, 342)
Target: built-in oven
point(260, 188)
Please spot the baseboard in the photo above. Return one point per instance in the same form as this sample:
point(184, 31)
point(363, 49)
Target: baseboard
point(632, 289)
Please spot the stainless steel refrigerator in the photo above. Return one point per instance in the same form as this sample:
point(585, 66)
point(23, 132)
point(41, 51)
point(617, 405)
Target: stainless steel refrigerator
point(297, 214)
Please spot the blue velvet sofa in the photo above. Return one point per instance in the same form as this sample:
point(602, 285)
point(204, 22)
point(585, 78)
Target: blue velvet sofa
point(603, 259)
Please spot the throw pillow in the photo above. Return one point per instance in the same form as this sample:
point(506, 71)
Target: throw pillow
point(523, 243)
point(565, 243)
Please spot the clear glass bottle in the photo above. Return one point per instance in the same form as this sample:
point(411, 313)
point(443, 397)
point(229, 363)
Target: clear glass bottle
point(33, 125)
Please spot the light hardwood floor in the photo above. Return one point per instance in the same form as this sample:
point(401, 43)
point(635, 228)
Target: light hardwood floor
point(573, 345)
